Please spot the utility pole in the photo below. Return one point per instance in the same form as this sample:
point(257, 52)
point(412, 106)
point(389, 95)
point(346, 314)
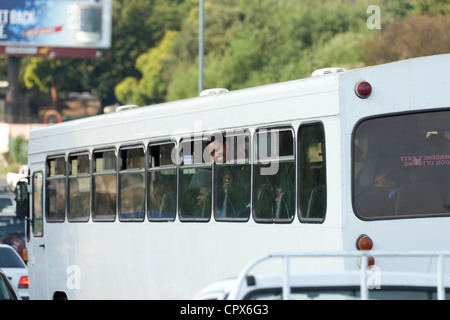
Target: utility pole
point(12, 111)
point(201, 44)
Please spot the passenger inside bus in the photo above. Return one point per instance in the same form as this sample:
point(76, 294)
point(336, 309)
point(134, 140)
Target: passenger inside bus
point(196, 197)
point(230, 154)
point(162, 176)
point(275, 189)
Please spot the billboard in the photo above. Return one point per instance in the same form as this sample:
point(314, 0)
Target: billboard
point(79, 24)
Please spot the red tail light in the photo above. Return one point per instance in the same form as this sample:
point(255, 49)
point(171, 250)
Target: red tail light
point(363, 89)
point(23, 283)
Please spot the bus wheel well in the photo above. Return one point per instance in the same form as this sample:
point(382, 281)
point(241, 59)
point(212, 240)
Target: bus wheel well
point(60, 295)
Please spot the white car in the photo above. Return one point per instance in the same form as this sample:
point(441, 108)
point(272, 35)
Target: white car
point(15, 269)
point(328, 285)
point(7, 292)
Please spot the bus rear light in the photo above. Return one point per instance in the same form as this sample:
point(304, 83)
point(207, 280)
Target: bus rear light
point(364, 242)
point(23, 283)
point(363, 89)
point(370, 261)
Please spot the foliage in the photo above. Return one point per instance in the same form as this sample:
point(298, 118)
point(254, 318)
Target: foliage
point(19, 150)
point(152, 85)
point(414, 36)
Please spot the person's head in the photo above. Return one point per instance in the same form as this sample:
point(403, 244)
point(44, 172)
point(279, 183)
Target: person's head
point(202, 194)
point(217, 148)
point(279, 191)
point(384, 180)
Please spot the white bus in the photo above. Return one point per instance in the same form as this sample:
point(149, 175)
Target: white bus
point(157, 202)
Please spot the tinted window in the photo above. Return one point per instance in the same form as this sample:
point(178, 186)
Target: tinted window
point(274, 192)
point(38, 200)
point(162, 176)
point(232, 175)
point(105, 186)
point(79, 188)
point(401, 166)
point(195, 180)
point(312, 169)
point(56, 189)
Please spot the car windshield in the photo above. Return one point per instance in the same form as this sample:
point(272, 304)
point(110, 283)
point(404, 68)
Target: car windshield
point(4, 202)
point(9, 259)
point(10, 226)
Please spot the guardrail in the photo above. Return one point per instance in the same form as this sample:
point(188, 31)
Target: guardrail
point(364, 255)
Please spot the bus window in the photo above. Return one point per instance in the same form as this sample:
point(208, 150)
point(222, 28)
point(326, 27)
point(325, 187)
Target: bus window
point(312, 173)
point(79, 188)
point(195, 180)
point(104, 186)
point(274, 191)
point(162, 182)
point(232, 175)
point(402, 170)
point(56, 189)
point(132, 184)
point(38, 204)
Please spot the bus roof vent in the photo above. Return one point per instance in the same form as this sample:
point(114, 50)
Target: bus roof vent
point(126, 107)
point(211, 92)
point(325, 71)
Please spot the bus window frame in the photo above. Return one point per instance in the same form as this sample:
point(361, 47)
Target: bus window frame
point(217, 167)
point(39, 234)
point(104, 172)
point(157, 169)
point(280, 160)
point(193, 166)
point(77, 176)
point(394, 216)
point(130, 171)
point(48, 178)
point(299, 174)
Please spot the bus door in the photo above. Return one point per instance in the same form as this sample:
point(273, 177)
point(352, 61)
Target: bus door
point(36, 245)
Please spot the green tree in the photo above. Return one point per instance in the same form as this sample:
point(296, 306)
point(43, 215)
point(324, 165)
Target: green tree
point(151, 88)
point(433, 6)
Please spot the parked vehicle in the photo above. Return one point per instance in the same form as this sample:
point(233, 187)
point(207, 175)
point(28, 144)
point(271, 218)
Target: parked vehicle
point(7, 201)
point(15, 269)
point(12, 229)
point(7, 291)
